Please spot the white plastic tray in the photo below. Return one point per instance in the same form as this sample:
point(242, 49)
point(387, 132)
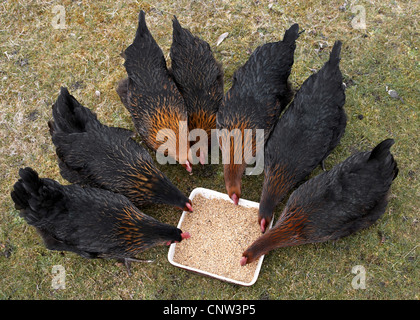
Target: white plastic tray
point(210, 194)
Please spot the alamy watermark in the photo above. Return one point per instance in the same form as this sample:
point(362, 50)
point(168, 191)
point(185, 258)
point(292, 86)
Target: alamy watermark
point(359, 281)
point(59, 277)
point(59, 20)
point(237, 146)
point(359, 20)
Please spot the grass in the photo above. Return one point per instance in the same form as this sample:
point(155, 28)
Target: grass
point(36, 60)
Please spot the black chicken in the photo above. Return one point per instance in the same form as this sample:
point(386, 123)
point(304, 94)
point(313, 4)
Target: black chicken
point(96, 155)
point(152, 97)
point(91, 222)
point(199, 78)
point(305, 135)
point(334, 204)
point(260, 91)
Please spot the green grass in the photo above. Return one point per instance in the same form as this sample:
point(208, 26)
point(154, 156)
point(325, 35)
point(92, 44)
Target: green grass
point(35, 60)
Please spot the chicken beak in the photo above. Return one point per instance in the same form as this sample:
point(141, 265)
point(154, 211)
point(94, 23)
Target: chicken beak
point(234, 194)
point(185, 235)
point(235, 198)
point(188, 207)
point(187, 166)
point(263, 225)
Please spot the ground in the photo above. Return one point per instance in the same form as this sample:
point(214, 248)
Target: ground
point(77, 44)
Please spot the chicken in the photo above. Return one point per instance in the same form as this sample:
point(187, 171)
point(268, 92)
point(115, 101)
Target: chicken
point(260, 91)
point(92, 222)
point(152, 98)
point(304, 136)
point(93, 154)
point(199, 78)
point(334, 204)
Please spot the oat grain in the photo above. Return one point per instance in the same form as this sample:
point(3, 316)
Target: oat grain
point(220, 232)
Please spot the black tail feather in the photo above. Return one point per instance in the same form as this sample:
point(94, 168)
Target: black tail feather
point(335, 53)
point(291, 34)
point(382, 154)
point(142, 29)
point(143, 39)
point(143, 56)
point(34, 196)
point(176, 26)
point(381, 150)
point(70, 116)
point(28, 185)
point(20, 196)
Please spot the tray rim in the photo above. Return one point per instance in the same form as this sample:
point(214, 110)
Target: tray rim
point(208, 193)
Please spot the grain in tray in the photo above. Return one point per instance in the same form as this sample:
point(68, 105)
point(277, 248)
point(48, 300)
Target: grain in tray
point(220, 233)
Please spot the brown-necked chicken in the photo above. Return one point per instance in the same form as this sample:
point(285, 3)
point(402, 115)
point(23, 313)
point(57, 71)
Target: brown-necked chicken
point(153, 99)
point(260, 91)
point(335, 204)
point(92, 222)
point(304, 136)
point(199, 78)
point(93, 154)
